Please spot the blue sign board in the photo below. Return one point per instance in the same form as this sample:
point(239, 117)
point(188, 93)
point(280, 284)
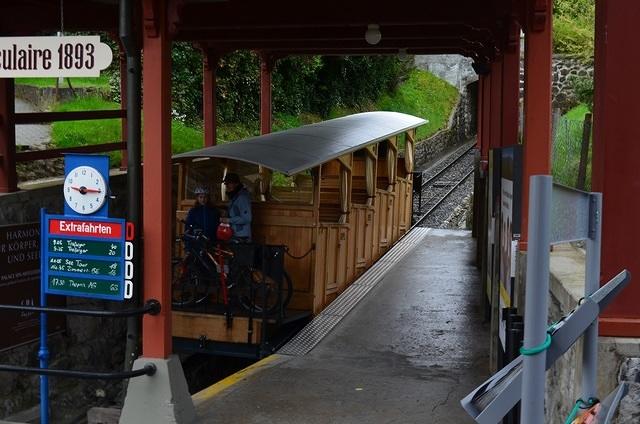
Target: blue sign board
point(83, 256)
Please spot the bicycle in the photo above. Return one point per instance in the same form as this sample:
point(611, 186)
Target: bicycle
point(205, 268)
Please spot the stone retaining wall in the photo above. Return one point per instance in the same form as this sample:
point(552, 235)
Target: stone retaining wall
point(92, 344)
point(44, 97)
point(564, 69)
point(460, 129)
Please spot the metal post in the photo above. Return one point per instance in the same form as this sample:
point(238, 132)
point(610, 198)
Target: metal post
point(536, 300)
point(592, 283)
point(43, 353)
point(132, 50)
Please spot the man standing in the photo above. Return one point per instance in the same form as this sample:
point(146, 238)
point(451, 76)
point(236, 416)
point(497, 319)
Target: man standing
point(239, 210)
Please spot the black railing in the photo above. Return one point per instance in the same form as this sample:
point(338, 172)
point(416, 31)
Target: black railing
point(151, 307)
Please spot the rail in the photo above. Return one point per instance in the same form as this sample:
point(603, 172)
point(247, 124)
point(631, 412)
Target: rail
point(457, 158)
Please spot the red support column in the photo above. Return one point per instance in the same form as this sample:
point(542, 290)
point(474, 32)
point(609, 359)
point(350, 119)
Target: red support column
point(123, 104)
point(8, 177)
point(266, 67)
point(209, 115)
point(511, 90)
point(537, 107)
point(486, 115)
point(496, 104)
point(615, 157)
point(479, 132)
point(156, 330)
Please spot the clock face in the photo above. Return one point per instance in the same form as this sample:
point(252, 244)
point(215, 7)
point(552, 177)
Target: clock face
point(85, 190)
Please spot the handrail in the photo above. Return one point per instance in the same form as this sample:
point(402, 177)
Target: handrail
point(148, 369)
point(151, 307)
point(39, 117)
point(54, 153)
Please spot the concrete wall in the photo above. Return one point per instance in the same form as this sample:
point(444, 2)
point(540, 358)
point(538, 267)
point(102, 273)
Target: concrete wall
point(95, 344)
point(44, 98)
point(564, 379)
point(453, 68)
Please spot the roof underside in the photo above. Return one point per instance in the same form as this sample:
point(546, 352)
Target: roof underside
point(474, 28)
point(302, 148)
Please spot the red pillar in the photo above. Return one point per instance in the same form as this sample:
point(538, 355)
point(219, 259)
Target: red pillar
point(156, 330)
point(615, 157)
point(537, 108)
point(479, 134)
point(486, 115)
point(496, 104)
point(511, 91)
point(8, 177)
point(209, 66)
point(266, 67)
point(123, 104)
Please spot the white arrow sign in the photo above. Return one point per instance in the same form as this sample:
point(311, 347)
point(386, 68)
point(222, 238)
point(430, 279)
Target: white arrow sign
point(73, 56)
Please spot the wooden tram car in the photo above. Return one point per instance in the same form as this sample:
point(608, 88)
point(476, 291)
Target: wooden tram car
point(337, 194)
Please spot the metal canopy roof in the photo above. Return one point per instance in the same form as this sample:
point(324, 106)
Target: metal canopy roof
point(298, 149)
point(480, 29)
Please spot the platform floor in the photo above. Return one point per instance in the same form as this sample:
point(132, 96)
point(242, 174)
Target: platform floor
point(406, 353)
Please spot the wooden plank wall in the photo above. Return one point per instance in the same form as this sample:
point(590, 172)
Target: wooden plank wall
point(295, 227)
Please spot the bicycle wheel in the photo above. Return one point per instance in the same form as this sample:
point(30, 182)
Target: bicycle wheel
point(188, 285)
point(257, 293)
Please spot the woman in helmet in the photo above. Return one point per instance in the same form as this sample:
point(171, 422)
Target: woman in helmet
point(203, 216)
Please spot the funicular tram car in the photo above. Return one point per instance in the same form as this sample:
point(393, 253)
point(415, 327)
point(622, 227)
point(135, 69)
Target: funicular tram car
point(337, 194)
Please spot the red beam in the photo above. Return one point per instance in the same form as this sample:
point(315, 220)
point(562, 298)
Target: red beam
point(357, 12)
point(39, 117)
point(360, 43)
point(325, 33)
point(8, 177)
point(32, 155)
point(615, 157)
point(157, 222)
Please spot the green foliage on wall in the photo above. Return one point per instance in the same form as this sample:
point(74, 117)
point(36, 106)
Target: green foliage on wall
point(574, 28)
point(300, 84)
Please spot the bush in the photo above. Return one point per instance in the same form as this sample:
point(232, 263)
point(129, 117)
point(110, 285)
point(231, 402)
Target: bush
point(574, 28)
point(583, 89)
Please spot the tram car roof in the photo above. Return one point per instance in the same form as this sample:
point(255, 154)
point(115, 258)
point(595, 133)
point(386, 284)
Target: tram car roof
point(297, 149)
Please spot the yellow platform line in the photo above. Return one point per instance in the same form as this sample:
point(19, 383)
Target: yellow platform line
point(224, 384)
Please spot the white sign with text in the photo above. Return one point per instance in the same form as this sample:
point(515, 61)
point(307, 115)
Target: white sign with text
point(65, 56)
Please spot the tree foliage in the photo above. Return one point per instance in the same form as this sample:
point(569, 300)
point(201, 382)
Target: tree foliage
point(300, 84)
point(574, 28)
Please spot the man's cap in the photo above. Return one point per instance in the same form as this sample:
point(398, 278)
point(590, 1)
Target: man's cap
point(231, 178)
point(201, 190)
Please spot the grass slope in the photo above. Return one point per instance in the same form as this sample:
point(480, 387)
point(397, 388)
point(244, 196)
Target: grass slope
point(567, 144)
point(422, 94)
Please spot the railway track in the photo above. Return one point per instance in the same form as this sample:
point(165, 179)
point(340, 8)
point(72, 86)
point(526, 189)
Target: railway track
point(440, 182)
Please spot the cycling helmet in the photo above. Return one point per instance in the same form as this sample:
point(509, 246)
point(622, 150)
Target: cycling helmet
point(200, 190)
point(224, 232)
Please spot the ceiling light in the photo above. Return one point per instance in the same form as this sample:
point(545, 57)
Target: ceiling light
point(373, 35)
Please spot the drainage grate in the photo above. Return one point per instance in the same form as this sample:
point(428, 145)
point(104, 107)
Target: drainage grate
point(322, 324)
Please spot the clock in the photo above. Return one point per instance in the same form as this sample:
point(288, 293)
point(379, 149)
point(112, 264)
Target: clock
point(85, 189)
